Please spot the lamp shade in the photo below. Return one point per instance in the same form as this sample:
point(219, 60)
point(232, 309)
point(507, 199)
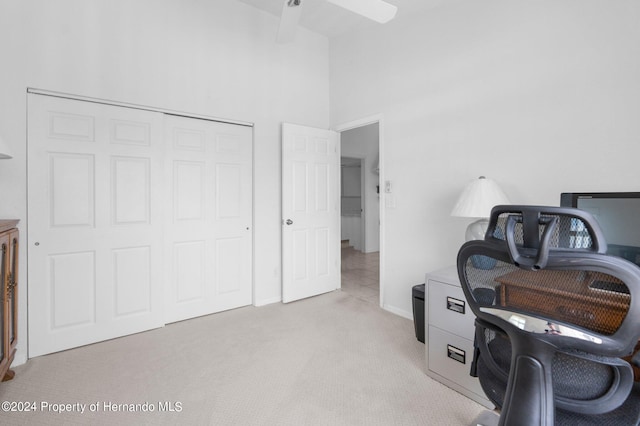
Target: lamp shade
point(478, 198)
point(5, 152)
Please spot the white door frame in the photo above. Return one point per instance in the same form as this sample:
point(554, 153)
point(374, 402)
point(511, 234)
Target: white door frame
point(136, 106)
point(372, 119)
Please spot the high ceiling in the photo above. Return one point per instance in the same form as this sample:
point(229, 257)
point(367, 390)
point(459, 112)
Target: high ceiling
point(330, 20)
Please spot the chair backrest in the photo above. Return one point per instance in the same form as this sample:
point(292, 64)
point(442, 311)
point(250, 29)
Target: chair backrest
point(542, 276)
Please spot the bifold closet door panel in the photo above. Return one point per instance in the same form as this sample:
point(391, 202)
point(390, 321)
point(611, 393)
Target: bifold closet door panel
point(95, 224)
point(208, 217)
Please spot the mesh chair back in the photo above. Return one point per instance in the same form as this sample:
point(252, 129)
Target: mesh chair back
point(542, 286)
point(544, 270)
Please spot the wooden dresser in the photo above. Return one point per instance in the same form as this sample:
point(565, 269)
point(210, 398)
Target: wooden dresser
point(8, 296)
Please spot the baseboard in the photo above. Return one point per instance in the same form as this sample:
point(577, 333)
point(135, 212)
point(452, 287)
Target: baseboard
point(264, 302)
point(399, 312)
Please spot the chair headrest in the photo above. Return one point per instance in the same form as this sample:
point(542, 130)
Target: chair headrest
point(531, 231)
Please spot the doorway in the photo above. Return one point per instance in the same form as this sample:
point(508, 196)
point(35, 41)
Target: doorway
point(360, 211)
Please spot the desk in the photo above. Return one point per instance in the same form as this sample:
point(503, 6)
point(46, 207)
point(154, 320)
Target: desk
point(592, 300)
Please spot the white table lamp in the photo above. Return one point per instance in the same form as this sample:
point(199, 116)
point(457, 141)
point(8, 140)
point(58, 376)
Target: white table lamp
point(476, 201)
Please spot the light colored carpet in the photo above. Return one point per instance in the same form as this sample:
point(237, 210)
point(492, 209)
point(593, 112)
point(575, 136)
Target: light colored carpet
point(329, 360)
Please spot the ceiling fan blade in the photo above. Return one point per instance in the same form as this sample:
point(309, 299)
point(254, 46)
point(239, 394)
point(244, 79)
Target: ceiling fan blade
point(291, 11)
point(376, 10)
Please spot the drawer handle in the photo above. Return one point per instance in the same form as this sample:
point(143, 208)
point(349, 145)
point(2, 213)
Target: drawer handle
point(456, 354)
point(455, 305)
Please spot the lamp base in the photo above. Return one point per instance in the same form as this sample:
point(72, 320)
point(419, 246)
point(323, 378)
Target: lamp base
point(476, 230)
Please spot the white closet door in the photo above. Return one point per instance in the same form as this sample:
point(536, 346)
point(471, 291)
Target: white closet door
point(208, 237)
point(94, 222)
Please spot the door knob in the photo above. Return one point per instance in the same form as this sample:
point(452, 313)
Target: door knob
point(289, 222)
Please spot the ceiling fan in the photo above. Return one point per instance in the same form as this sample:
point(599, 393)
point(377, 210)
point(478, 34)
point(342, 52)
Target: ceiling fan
point(376, 10)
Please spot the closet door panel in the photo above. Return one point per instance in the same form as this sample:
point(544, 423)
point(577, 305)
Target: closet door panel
point(210, 201)
point(95, 222)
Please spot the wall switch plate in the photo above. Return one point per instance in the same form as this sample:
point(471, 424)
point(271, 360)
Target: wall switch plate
point(387, 187)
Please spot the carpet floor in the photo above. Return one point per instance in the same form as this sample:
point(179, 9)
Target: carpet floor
point(333, 359)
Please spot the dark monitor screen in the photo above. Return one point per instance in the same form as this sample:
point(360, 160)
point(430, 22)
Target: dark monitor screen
point(617, 213)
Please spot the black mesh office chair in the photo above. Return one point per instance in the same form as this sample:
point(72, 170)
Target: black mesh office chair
point(554, 316)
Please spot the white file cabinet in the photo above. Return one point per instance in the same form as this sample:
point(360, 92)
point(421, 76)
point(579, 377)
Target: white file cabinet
point(449, 333)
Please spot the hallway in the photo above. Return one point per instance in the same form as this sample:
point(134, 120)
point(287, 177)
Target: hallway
point(360, 274)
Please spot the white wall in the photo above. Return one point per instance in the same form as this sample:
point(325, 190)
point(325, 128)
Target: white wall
point(216, 58)
point(542, 96)
point(362, 142)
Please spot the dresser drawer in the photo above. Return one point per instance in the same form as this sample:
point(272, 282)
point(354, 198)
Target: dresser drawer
point(448, 309)
point(450, 356)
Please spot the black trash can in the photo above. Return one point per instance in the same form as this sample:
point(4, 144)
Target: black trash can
point(418, 311)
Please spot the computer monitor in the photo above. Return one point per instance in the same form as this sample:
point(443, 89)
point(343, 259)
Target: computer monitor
point(617, 213)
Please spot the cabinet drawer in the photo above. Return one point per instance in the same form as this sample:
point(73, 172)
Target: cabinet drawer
point(448, 309)
point(450, 356)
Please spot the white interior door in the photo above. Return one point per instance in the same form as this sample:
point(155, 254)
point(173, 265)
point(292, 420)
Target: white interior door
point(94, 222)
point(311, 211)
point(208, 236)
